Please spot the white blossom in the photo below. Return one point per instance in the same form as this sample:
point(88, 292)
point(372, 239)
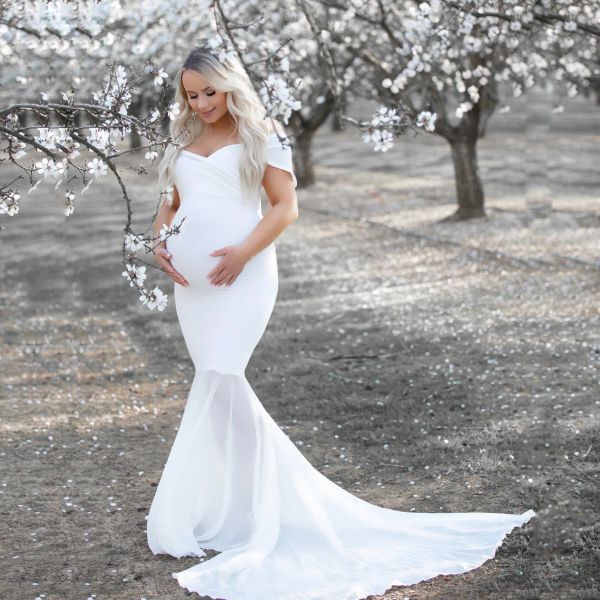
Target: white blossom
point(97, 168)
point(50, 169)
point(9, 203)
point(173, 110)
point(135, 274)
point(49, 138)
point(278, 98)
point(384, 142)
point(154, 299)
point(154, 115)
point(164, 232)
point(426, 120)
point(133, 242)
point(160, 76)
point(69, 203)
point(464, 107)
point(99, 138)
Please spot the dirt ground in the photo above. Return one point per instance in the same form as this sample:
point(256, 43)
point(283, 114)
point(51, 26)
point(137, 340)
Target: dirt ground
point(423, 366)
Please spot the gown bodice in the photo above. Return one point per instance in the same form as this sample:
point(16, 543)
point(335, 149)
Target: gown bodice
point(214, 212)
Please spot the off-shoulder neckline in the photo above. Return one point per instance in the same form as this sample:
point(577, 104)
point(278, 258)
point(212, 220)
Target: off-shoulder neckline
point(201, 156)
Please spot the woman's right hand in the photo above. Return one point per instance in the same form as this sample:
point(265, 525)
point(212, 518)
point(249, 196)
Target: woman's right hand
point(163, 258)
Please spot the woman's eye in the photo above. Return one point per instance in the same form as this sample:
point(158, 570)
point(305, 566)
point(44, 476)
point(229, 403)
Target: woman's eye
point(210, 93)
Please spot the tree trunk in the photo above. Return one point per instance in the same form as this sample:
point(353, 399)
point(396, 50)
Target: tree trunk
point(303, 165)
point(469, 191)
point(304, 128)
point(166, 98)
point(337, 124)
point(135, 140)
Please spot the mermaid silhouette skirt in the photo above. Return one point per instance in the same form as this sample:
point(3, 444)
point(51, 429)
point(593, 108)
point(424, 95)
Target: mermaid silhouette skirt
point(235, 483)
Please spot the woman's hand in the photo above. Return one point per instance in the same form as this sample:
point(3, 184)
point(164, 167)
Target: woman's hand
point(230, 266)
point(163, 258)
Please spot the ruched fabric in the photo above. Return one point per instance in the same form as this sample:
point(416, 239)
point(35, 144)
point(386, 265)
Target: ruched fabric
point(233, 481)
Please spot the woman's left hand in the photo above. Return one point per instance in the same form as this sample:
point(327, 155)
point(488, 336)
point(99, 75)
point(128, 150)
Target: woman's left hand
point(230, 266)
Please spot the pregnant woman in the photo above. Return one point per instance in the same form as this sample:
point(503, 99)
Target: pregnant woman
point(233, 481)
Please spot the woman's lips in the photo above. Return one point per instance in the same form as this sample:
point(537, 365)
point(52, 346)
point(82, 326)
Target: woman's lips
point(205, 114)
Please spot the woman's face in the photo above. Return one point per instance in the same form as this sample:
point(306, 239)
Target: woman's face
point(203, 99)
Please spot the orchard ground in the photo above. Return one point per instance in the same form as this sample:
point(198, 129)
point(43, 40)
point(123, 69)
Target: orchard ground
point(423, 366)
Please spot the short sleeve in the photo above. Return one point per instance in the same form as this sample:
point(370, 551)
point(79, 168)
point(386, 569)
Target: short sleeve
point(279, 154)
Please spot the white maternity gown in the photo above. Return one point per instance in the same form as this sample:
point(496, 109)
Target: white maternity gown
point(234, 482)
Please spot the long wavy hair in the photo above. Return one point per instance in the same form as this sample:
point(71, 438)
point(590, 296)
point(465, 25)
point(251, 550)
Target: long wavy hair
point(244, 105)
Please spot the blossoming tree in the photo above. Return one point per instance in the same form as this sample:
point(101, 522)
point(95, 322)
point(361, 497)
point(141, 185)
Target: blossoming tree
point(83, 117)
point(452, 61)
point(98, 73)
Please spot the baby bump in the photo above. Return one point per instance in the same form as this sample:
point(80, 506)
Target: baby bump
point(191, 256)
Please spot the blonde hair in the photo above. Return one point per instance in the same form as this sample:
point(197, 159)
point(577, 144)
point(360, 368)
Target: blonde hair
point(244, 105)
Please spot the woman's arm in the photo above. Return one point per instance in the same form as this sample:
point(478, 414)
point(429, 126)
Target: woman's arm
point(161, 254)
point(284, 210)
